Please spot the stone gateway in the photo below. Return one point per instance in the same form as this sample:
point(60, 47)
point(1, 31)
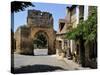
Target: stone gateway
point(37, 23)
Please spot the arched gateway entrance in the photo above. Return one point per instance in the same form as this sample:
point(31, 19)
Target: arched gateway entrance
point(37, 34)
point(40, 43)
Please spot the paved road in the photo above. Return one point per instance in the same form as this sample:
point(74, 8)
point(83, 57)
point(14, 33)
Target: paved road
point(27, 64)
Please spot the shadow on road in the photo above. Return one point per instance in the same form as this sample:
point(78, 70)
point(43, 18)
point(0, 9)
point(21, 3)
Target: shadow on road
point(35, 68)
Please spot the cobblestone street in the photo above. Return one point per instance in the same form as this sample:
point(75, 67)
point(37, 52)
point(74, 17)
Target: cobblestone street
point(31, 64)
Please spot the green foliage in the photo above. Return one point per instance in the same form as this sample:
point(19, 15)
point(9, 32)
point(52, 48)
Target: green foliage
point(90, 32)
point(86, 30)
point(75, 33)
point(40, 40)
point(17, 6)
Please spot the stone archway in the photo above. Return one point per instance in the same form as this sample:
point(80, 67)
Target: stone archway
point(49, 34)
point(40, 43)
point(37, 21)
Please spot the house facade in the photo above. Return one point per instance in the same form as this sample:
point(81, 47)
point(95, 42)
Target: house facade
point(70, 48)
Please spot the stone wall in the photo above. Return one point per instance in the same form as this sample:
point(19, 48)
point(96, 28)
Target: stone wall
point(50, 35)
point(37, 21)
point(38, 18)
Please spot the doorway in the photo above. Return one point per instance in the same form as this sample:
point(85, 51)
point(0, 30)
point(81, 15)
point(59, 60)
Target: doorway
point(40, 44)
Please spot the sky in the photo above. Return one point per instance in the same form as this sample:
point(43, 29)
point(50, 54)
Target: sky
point(57, 10)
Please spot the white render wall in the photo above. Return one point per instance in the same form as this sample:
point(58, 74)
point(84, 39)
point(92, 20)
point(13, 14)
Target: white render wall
point(85, 12)
point(72, 45)
point(77, 14)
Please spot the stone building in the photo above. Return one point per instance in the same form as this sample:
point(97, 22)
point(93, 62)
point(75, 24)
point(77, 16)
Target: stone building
point(70, 21)
point(77, 14)
point(73, 14)
point(37, 22)
point(60, 50)
point(70, 48)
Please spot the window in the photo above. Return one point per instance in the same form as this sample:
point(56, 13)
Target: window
point(61, 26)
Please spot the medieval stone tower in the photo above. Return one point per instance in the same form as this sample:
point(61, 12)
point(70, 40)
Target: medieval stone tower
point(37, 22)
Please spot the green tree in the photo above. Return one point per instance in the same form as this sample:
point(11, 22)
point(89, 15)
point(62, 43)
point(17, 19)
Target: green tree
point(40, 40)
point(85, 32)
point(17, 6)
point(87, 29)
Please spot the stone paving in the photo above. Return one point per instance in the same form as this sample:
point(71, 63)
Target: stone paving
point(31, 64)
